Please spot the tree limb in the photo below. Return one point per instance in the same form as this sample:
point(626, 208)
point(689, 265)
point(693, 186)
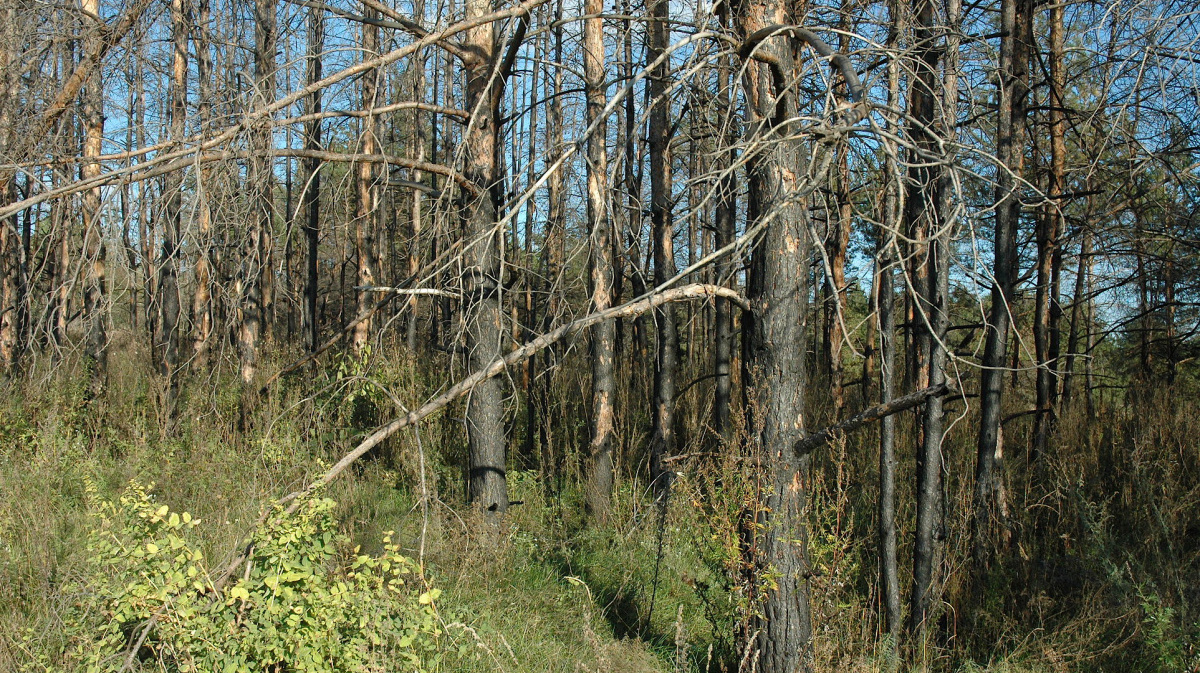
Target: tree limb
point(806, 445)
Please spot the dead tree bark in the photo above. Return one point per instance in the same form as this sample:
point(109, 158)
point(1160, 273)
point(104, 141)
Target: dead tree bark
point(724, 216)
point(366, 214)
point(600, 481)
point(255, 274)
point(202, 299)
point(885, 307)
point(95, 307)
point(312, 178)
point(168, 273)
point(662, 443)
point(774, 334)
point(481, 282)
point(930, 532)
point(418, 197)
point(1015, 22)
point(1050, 225)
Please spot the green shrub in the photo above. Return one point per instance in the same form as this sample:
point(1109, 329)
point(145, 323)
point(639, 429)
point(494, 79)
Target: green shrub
point(302, 601)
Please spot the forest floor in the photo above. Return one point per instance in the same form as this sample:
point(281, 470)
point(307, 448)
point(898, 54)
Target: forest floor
point(539, 589)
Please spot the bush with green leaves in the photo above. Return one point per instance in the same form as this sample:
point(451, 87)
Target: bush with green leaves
point(304, 600)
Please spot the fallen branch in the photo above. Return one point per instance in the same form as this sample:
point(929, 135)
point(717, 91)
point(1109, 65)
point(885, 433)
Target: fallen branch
point(423, 291)
point(465, 386)
point(806, 445)
point(627, 310)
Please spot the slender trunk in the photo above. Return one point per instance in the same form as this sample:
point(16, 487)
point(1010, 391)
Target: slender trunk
point(202, 300)
point(889, 575)
point(255, 277)
point(418, 197)
point(367, 215)
point(989, 533)
point(1077, 313)
point(930, 531)
point(10, 246)
point(600, 481)
point(95, 308)
point(168, 274)
point(662, 444)
point(1046, 306)
point(725, 214)
point(885, 299)
point(312, 178)
point(553, 250)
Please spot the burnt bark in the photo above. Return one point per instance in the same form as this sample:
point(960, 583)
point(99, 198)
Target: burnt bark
point(662, 442)
point(990, 528)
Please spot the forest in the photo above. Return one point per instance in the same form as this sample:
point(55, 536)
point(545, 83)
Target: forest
point(742, 336)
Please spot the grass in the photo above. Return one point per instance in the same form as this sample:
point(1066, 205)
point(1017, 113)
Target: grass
point(1107, 529)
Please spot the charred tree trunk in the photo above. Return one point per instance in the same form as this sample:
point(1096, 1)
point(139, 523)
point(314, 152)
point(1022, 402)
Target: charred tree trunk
point(990, 527)
point(662, 443)
point(885, 307)
point(930, 532)
point(418, 196)
point(725, 214)
point(312, 179)
point(168, 271)
point(255, 274)
point(1046, 303)
point(202, 299)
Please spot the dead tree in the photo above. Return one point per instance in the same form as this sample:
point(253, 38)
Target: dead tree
point(600, 481)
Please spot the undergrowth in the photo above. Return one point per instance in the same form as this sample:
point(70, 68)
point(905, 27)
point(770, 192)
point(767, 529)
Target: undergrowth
point(94, 546)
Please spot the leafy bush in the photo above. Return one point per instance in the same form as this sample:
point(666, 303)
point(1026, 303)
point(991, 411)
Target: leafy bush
point(303, 600)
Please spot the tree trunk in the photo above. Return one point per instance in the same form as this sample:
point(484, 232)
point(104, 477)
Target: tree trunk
point(1077, 313)
point(600, 481)
point(774, 333)
point(168, 274)
point(255, 274)
point(312, 178)
point(885, 306)
point(930, 531)
point(95, 307)
point(1046, 306)
point(989, 533)
point(202, 300)
point(481, 280)
point(662, 443)
point(418, 197)
point(725, 214)
point(366, 216)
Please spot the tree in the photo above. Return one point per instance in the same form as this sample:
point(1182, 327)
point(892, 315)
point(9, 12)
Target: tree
point(601, 245)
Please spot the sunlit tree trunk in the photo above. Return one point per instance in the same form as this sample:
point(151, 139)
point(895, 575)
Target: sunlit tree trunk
point(255, 275)
point(481, 280)
point(885, 307)
point(202, 300)
point(600, 482)
point(774, 333)
point(366, 215)
point(95, 307)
